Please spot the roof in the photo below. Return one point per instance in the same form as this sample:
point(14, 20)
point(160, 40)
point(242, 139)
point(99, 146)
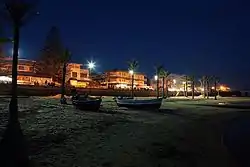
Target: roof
point(123, 70)
point(34, 74)
point(27, 74)
point(10, 59)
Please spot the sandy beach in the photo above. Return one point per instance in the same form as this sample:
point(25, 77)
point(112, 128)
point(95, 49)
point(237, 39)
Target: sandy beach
point(183, 133)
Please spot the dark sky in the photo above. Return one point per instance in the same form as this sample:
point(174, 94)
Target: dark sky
point(187, 36)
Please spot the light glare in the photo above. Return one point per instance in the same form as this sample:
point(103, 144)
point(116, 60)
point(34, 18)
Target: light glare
point(91, 65)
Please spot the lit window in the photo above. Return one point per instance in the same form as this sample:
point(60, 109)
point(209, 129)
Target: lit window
point(20, 67)
point(83, 75)
point(74, 74)
point(31, 68)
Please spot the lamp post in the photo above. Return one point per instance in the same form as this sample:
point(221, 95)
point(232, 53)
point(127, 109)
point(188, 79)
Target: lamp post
point(157, 85)
point(91, 65)
point(131, 72)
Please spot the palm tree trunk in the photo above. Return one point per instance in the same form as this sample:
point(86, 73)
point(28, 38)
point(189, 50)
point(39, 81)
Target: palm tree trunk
point(192, 89)
point(215, 93)
point(132, 86)
point(13, 149)
point(204, 89)
point(163, 85)
point(167, 90)
point(186, 86)
point(184, 90)
point(208, 89)
point(63, 100)
point(157, 88)
point(13, 103)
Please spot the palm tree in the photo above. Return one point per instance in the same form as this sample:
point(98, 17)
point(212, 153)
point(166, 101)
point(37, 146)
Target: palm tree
point(216, 81)
point(158, 71)
point(185, 85)
point(65, 60)
point(132, 67)
point(13, 147)
point(192, 80)
point(164, 75)
point(3, 40)
point(203, 84)
point(207, 81)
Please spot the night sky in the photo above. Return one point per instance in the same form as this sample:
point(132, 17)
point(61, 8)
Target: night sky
point(187, 36)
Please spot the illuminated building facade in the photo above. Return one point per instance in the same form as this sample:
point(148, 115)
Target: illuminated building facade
point(123, 79)
point(174, 82)
point(26, 73)
point(77, 76)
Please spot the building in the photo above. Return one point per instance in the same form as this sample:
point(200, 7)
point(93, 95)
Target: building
point(174, 82)
point(24, 65)
point(26, 73)
point(123, 79)
point(77, 76)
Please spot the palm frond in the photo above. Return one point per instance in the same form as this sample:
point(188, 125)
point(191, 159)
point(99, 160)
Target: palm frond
point(133, 65)
point(159, 69)
point(5, 40)
point(20, 11)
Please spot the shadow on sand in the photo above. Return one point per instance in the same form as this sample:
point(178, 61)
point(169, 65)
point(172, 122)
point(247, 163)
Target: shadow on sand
point(234, 106)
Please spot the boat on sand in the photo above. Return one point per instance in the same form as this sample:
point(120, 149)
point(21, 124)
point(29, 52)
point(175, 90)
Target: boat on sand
point(86, 103)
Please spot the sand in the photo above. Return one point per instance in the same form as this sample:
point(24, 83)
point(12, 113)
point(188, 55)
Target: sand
point(182, 134)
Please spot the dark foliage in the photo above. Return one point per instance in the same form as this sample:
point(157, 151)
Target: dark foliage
point(51, 61)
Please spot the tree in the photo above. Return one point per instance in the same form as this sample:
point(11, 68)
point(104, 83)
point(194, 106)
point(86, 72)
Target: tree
point(50, 60)
point(216, 80)
point(203, 84)
point(185, 85)
point(158, 71)
point(132, 67)
point(207, 80)
point(13, 149)
point(65, 60)
point(164, 75)
point(3, 40)
point(192, 79)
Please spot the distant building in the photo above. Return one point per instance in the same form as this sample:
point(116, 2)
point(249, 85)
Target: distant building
point(77, 76)
point(25, 70)
point(174, 82)
point(123, 79)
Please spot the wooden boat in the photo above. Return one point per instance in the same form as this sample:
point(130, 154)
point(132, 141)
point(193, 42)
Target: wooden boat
point(87, 103)
point(139, 104)
point(122, 97)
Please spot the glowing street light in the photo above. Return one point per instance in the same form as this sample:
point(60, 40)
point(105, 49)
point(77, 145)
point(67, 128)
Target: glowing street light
point(156, 77)
point(91, 65)
point(174, 81)
point(131, 72)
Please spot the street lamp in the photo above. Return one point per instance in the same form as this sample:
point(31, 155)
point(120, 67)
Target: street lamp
point(131, 72)
point(91, 65)
point(156, 77)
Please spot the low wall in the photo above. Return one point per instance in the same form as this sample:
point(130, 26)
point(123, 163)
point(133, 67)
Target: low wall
point(49, 91)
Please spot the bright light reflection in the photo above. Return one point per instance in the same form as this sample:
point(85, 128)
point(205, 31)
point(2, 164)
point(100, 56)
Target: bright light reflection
point(156, 77)
point(91, 65)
